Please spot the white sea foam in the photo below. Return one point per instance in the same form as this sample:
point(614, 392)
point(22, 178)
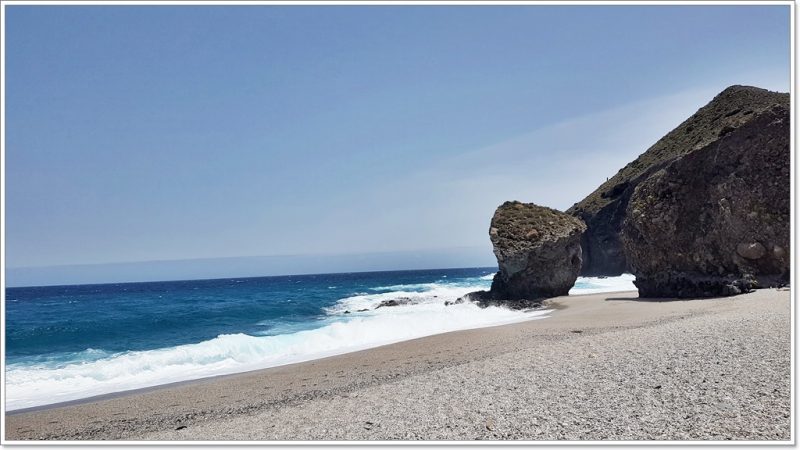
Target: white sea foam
point(595, 285)
point(400, 287)
point(435, 294)
point(426, 314)
point(28, 386)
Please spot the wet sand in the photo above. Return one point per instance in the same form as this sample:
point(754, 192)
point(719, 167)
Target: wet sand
point(602, 366)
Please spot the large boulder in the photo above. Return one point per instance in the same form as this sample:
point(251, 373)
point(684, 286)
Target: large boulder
point(716, 221)
point(604, 210)
point(538, 252)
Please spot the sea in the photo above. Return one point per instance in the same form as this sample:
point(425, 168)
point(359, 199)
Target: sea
point(67, 343)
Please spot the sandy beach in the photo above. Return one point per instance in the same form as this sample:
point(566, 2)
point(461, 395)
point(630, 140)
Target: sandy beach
point(600, 367)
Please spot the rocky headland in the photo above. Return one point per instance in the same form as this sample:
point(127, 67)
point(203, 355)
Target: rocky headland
point(703, 212)
point(605, 209)
point(716, 221)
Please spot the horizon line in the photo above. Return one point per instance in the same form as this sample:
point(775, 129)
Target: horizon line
point(248, 277)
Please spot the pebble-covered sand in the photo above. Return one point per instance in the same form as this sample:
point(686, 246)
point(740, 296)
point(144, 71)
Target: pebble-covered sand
point(601, 367)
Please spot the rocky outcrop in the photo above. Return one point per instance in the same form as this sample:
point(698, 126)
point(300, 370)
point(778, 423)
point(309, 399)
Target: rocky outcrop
point(538, 252)
point(485, 299)
point(604, 210)
point(401, 301)
point(716, 220)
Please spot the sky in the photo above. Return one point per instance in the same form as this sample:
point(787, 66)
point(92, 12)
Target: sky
point(339, 135)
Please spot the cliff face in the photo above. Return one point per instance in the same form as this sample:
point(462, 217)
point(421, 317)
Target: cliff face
point(604, 210)
point(537, 249)
point(716, 221)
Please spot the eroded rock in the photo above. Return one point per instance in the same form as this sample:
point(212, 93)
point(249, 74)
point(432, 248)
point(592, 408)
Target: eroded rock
point(538, 252)
point(716, 221)
point(753, 250)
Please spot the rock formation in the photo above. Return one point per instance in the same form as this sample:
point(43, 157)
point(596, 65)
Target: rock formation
point(716, 220)
point(538, 252)
point(605, 208)
point(395, 302)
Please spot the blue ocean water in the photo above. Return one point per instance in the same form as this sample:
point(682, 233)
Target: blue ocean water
point(70, 342)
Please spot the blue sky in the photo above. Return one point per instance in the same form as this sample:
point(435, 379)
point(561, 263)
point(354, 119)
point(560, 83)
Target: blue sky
point(167, 133)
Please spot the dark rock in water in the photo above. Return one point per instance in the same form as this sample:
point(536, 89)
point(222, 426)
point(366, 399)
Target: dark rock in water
point(538, 251)
point(395, 302)
point(362, 310)
point(486, 298)
point(716, 221)
point(388, 303)
point(604, 209)
point(457, 301)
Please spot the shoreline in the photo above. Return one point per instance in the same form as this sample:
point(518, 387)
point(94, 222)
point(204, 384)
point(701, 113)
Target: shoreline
point(213, 378)
point(197, 408)
point(311, 358)
point(111, 395)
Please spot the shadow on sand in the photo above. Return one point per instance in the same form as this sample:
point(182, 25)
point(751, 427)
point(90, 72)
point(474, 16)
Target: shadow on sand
point(659, 300)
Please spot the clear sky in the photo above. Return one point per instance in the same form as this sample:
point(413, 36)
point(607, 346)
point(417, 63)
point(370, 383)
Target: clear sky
point(139, 133)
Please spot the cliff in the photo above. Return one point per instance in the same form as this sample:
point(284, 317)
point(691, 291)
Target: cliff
point(716, 221)
point(604, 210)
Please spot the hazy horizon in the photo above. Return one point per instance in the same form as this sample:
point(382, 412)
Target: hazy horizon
point(246, 267)
point(152, 134)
